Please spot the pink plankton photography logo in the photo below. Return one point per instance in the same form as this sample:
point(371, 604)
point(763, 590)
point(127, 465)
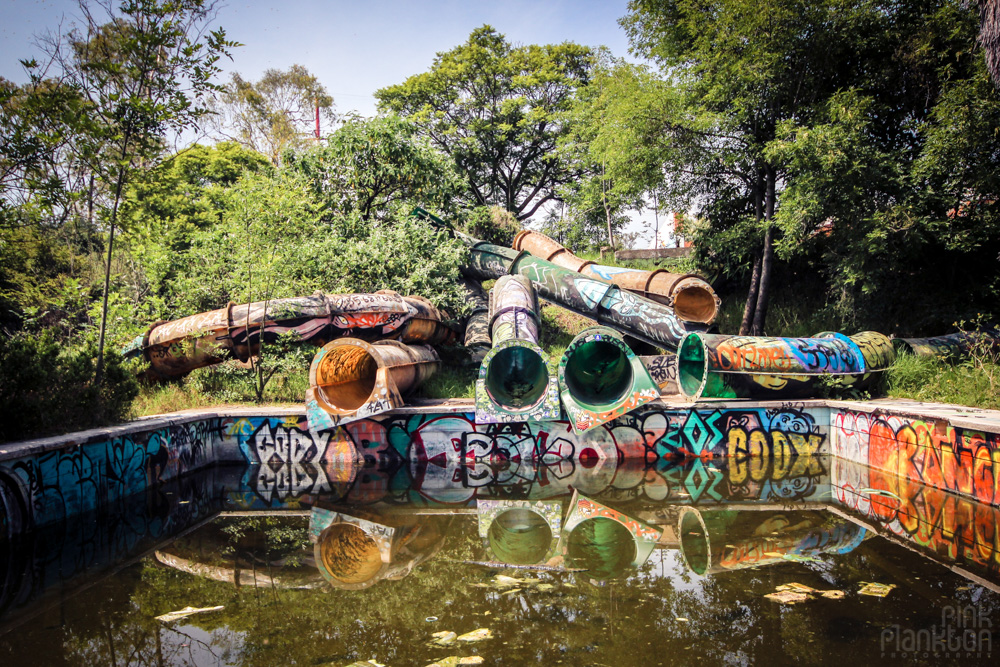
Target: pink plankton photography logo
point(964, 632)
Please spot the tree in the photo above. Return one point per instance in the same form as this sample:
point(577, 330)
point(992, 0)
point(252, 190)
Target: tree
point(496, 110)
point(369, 166)
point(143, 69)
point(272, 114)
point(851, 85)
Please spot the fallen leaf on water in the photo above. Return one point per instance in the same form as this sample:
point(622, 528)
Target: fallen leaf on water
point(545, 588)
point(787, 597)
point(833, 594)
point(454, 661)
point(444, 638)
point(476, 635)
point(681, 619)
point(800, 559)
point(797, 587)
point(185, 612)
point(503, 581)
point(875, 589)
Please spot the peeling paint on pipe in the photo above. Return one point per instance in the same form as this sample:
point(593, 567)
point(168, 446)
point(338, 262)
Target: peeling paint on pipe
point(600, 379)
point(477, 325)
point(351, 379)
point(691, 297)
point(720, 366)
point(517, 381)
point(174, 349)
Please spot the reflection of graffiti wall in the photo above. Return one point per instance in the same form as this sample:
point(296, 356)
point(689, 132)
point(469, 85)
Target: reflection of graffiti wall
point(962, 460)
point(950, 527)
point(94, 476)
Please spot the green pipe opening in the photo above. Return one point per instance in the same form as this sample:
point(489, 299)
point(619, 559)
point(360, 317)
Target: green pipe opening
point(694, 542)
point(691, 366)
point(598, 373)
point(517, 378)
point(603, 546)
point(520, 537)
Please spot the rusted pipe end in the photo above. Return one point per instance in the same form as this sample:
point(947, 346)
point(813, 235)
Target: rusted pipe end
point(694, 300)
point(343, 375)
point(348, 557)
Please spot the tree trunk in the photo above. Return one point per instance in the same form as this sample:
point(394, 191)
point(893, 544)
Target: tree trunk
point(767, 261)
point(750, 308)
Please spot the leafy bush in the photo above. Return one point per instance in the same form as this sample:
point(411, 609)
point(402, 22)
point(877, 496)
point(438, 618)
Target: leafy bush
point(46, 387)
point(492, 224)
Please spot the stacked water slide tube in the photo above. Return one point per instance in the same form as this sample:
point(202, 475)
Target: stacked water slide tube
point(951, 346)
point(692, 299)
point(517, 381)
point(719, 366)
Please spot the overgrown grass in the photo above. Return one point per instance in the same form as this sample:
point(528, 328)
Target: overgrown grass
point(451, 381)
point(225, 384)
point(973, 382)
point(786, 316)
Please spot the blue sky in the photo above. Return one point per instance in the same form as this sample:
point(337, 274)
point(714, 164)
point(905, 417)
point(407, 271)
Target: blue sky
point(353, 47)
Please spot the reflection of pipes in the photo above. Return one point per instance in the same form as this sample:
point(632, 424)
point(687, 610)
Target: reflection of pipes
point(516, 381)
point(719, 366)
point(689, 295)
point(243, 577)
point(520, 532)
point(176, 348)
point(600, 379)
point(604, 541)
point(350, 379)
point(951, 346)
point(723, 540)
point(354, 553)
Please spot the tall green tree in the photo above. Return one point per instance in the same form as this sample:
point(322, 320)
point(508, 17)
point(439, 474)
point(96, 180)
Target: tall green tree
point(144, 69)
point(497, 110)
point(368, 166)
point(274, 113)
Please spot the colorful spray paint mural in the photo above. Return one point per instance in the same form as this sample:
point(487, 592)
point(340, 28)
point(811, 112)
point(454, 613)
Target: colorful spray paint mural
point(949, 527)
point(720, 366)
point(961, 460)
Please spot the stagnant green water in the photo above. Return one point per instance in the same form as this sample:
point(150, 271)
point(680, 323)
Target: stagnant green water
point(373, 572)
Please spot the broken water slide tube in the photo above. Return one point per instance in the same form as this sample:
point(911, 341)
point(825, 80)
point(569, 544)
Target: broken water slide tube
point(517, 381)
point(174, 349)
point(691, 297)
point(600, 379)
point(351, 379)
point(720, 366)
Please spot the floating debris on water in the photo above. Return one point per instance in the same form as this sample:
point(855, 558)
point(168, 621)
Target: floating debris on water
point(875, 589)
point(476, 635)
point(185, 612)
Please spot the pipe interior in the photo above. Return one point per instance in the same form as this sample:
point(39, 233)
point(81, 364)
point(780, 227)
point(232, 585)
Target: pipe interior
point(347, 377)
point(516, 378)
point(598, 373)
point(349, 554)
point(695, 304)
point(520, 537)
point(691, 367)
point(603, 546)
point(694, 543)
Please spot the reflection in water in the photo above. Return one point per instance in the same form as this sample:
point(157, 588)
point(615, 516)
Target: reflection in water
point(600, 576)
point(721, 540)
point(353, 553)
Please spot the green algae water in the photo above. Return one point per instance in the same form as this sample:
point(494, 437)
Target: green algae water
point(400, 575)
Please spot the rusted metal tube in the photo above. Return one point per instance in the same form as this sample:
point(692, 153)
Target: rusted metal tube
point(174, 349)
point(600, 379)
point(719, 366)
point(691, 297)
point(517, 382)
point(352, 379)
